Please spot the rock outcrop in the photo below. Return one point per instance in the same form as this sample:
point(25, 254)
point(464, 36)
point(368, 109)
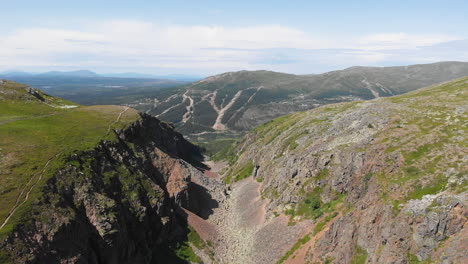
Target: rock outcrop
point(383, 181)
point(117, 203)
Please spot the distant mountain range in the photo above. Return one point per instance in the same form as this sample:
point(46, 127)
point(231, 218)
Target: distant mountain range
point(239, 101)
point(89, 88)
point(90, 74)
point(178, 77)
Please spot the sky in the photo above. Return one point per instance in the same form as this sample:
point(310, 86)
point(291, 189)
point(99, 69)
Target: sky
point(210, 37)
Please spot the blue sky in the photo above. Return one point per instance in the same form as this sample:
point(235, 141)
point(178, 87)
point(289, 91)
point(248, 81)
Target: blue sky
point(209, 37)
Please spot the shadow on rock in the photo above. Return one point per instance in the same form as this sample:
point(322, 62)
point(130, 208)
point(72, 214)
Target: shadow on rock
point(201, 202)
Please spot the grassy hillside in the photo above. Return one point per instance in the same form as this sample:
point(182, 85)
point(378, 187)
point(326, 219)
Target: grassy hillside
point(36, 132)
point(395, 165)
point(239, 101)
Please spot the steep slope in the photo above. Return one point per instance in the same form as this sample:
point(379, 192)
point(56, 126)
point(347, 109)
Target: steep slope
point(100, 184)
point(380, 181)
point(239, 101)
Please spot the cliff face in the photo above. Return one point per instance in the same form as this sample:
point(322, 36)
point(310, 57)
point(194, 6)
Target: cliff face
point(382, 181)
point(117, 203)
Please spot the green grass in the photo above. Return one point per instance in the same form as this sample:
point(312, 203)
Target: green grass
point(185, 252)
point(195, 239)
point(359, 256)
point(184, 249)
point(218, 145)
point(312, 207)
point(418, 191)
point(244, 172)
point(26, 145)
point(272, 129)
point(295, 247)
point(421, 151)
point(224, 150)
point(434, 187)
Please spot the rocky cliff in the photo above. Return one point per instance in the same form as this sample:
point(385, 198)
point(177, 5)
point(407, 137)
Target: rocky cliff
point(116, 203)
point(381, 181)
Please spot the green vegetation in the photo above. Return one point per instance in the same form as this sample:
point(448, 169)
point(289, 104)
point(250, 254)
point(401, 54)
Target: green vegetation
point(290, 143)
point(320, 225)
point(185, 252)
point(4, 257)
point(426, 137)
point(312, 206)
point(295, 247)
point(323, 174)
point(421, 151)
point(195, 239)
point(272, 129)
point(432, 188)
point(222, 149)
point(242, 173)
point(33, 147)
point(412, 259)
point(359, 256)
point(278, 88)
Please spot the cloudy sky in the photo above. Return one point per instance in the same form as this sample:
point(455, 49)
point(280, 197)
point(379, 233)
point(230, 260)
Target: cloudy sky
point(209, 37)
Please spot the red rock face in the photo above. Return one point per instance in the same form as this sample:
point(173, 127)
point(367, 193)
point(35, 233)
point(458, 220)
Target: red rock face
point(211, 174)
point(177, 182)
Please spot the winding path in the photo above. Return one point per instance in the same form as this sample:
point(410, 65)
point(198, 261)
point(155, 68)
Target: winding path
point(118, 119)
point(18, 202)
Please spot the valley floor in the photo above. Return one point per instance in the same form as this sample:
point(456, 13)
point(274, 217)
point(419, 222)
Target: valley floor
point(244, 234)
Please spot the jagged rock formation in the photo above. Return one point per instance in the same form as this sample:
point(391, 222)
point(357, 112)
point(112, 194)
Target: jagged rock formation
point(117, 203)
point(382, 181)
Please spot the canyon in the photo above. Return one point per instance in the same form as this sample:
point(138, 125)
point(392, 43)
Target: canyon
point(378, 181)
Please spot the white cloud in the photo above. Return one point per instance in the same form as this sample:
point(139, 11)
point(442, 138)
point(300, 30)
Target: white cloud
point(130, 45)
point(402, 40)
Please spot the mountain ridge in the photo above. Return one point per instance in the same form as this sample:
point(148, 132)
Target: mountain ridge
point(379, 181)
point(262, 95)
